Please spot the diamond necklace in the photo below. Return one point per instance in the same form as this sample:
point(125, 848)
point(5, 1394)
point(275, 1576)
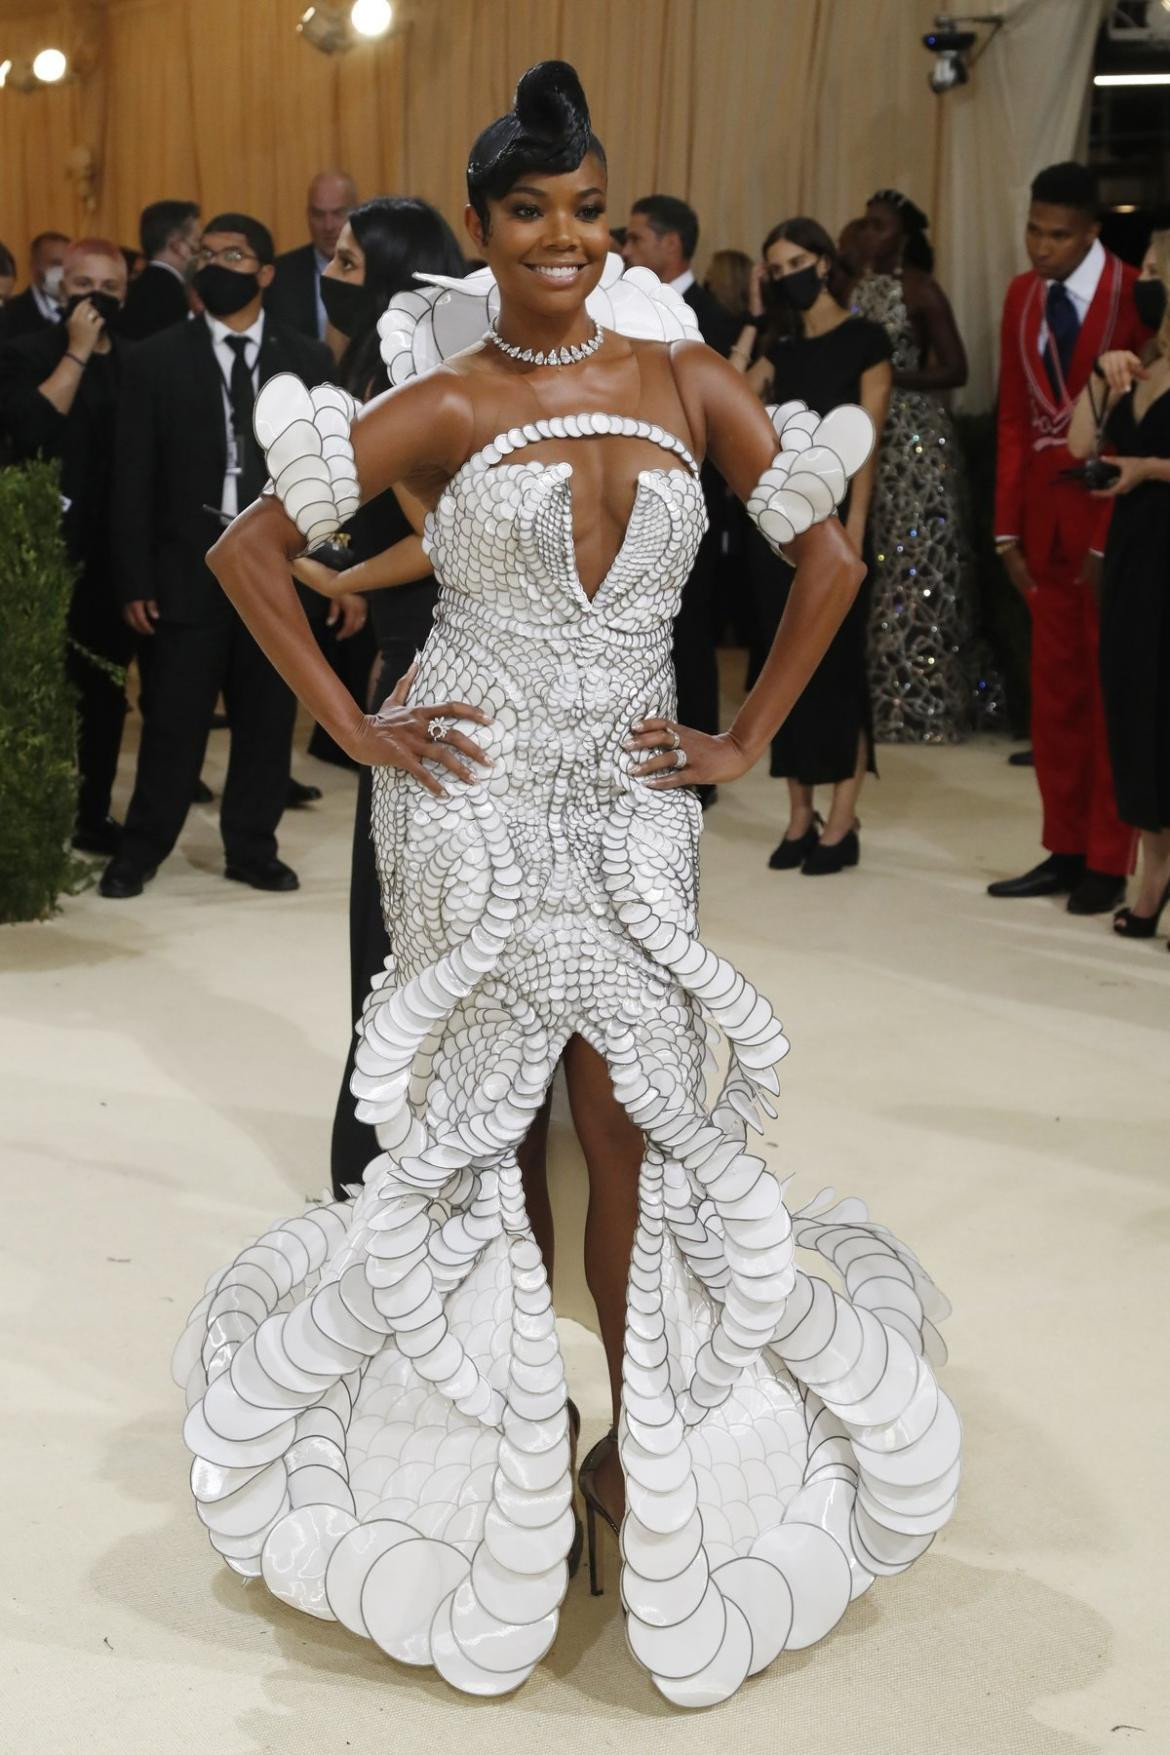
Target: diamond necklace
point(556, 356)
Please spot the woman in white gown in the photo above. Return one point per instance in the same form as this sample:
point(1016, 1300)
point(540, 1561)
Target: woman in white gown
point(377, 1402)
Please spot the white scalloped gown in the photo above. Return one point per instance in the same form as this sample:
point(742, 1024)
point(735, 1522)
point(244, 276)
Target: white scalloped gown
point(376, 1392)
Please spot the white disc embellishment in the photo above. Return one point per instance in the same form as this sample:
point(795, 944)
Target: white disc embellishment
point(818, 1576)
point(401, 1593)
point(296, 1553)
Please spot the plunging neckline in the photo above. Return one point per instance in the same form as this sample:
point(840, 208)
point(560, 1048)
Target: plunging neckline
point(573, 426)
point(1150, 406)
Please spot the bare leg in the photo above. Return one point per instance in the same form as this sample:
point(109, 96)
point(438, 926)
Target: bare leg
point(843, 811)
point(532, 1156)
point(800, 810)
point(1155, 872)
point(613, 1154)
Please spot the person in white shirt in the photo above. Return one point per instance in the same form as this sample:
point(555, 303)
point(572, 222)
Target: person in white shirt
point(186, 456)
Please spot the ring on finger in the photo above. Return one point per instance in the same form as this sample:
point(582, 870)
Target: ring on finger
point(680, 757)
point(675, 740)
point(437, 729)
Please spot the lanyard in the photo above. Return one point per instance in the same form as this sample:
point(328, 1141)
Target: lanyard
point(235, 438)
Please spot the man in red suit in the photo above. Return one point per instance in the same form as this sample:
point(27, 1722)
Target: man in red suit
point(1075, 304)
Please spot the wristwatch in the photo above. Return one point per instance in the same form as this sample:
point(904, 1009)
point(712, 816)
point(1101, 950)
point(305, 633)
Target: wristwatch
point(1003, 543)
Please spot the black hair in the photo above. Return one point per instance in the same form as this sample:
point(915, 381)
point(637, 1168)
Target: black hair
point(399, 235)
point(807, 234)
point(160, 221)
point(666, 213)
point(1067, 185)
point(47, 238)
point(7, 260)
point(917, 250)
point(547, 130)
point(259, 237)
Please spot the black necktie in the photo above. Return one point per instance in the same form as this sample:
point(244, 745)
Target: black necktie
point(251, 478)
point(1063, 328)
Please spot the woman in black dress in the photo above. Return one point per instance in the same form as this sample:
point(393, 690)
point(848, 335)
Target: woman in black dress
point(382, 244)
point(1135, 590)
point(812, 350)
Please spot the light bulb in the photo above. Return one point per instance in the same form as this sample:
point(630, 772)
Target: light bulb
point(50, 66)
point(371, 18)
point(5, 70)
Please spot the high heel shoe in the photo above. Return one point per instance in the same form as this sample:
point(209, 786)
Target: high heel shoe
point(578, 1543)
point(823, 861)
point(1127, 924)
point(794, 850)
point(594, 1508)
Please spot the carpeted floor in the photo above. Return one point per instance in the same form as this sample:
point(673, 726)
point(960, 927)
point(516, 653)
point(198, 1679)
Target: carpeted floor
point(992, 1077)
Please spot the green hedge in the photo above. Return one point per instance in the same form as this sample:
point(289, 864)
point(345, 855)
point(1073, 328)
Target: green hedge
point(38, 776)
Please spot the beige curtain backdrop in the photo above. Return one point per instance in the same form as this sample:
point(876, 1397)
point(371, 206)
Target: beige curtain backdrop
point(751, 109)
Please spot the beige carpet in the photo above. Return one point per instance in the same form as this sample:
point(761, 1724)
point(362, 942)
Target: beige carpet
point(991, 1076)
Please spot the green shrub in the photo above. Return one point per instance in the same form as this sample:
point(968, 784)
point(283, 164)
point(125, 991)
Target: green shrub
point(38, 776)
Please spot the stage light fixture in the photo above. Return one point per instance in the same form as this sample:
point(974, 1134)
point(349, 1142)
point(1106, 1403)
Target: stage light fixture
point(326, 28)
point(951, 47)
point(5, 70)
point(371, 18)
point(50, 66)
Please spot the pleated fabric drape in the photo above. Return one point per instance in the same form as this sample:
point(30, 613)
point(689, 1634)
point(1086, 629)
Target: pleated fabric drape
point(752, 109)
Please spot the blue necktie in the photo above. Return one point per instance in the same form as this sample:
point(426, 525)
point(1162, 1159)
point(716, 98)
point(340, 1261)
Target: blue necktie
point(1063, 328)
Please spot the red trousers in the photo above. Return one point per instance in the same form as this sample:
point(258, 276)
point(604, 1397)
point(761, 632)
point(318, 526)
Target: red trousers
point(1068, 724)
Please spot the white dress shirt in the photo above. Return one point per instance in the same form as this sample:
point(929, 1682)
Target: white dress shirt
point(683, 283)
point(322, 263)
point(49, 308)
point(1081, 287)
point(225, 359)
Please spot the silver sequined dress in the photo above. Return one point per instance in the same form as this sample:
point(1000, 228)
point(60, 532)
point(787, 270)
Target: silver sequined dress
point(921, 618)
point(376, 1389)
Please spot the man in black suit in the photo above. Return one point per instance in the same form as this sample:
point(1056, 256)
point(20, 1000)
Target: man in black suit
point(58, 399)
point(294, 298)
point(39, 305)
point(169, 234)
point(663, 235)
point(185, 458)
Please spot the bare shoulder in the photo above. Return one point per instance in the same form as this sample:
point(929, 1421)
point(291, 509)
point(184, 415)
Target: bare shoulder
point(439, 409)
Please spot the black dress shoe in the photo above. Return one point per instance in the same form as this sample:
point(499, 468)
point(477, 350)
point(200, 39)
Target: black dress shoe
point(202, 793)
point(121, 880)
point(1054, 876)
point(1022, 759)
point(795, 849)
point(1096, 892)
point(101, 837)
point(264, 874)
point(824, 861)
point(299, 795)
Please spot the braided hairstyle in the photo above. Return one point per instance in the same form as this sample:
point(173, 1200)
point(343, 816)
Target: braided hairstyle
point(917, 251)
point(547, 130)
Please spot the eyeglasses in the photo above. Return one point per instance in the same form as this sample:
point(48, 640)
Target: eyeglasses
point(231, 256)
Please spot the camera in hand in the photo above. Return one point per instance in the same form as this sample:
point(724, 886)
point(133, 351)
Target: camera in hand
point(1095, 475)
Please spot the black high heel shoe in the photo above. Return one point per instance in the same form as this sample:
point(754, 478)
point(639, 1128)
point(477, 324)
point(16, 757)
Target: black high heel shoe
point(794, 850)
point(594, 1507)
point(1127, 924)
point(578, 1543)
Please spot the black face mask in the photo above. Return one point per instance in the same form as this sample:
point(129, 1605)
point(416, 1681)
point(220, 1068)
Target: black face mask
point(105, 304)
point(348, 306)
point(223, 291)
point(1150, 298)
point(800, 290)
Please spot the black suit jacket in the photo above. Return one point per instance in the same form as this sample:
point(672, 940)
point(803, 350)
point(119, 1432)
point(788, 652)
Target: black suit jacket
point(718, 327)
point(22, 316)
point(170, 458)
point(81, 440)
point(291, 300)
point(155, 300)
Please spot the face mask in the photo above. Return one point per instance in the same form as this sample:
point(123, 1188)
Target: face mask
point(223, 291)
point(51, 280)
point(105, 304)
point(348, 306)
point(1150, 298)
point(800, 290)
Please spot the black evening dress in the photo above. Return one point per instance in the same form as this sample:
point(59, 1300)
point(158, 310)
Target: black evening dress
point(817, 744)
point(1135, 624)
point(401, 617)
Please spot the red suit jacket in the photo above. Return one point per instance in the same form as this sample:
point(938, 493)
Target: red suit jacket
point(1054, 519)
